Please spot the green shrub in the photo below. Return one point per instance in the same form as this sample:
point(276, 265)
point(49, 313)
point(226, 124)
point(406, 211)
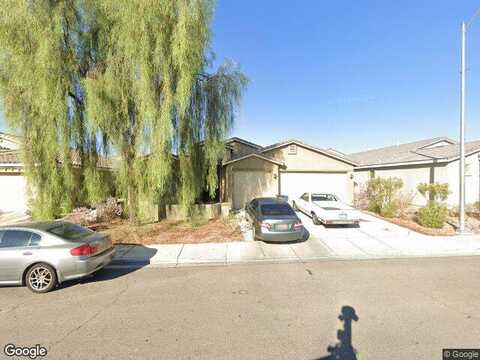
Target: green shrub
point(382, 196)
point(434, 192)
point(433, 215)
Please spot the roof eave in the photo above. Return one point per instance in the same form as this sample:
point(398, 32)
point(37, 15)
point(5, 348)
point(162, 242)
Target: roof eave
point(253, 155)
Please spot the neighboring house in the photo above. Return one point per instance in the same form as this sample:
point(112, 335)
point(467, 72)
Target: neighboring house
point(13, 185)
point(425, 161)
point(288, 168)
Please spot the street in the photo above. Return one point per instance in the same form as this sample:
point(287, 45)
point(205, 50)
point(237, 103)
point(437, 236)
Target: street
point(406, 308)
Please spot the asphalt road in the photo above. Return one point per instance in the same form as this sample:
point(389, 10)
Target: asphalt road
point(407, 309)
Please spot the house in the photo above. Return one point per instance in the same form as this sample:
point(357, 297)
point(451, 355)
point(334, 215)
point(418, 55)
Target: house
point(13, 196)
point(287, 168)
point(425, 161)
point(13, 184)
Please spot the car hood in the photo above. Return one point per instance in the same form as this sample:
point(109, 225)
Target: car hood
point(333, 205)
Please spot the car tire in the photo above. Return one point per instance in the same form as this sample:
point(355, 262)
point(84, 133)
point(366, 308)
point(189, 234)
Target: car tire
point(41, 278)
point(315, 219)
point(294, 206)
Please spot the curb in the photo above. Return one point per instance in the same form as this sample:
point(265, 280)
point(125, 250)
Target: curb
point(137, 264)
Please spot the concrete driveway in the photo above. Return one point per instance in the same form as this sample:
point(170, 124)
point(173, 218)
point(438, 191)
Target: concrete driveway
point(376, 238)
point(373, 239)
point(11, 217)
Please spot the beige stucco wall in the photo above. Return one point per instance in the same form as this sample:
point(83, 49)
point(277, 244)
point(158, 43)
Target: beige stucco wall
point(411, 176)
point(311, 161)
point(237, 149)
point(472, 185)
point(264, 173)
point(308, 160)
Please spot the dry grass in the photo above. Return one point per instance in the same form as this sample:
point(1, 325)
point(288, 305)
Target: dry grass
point(172, 232)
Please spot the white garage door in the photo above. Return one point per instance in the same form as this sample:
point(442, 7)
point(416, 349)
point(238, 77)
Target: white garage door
point(294, 185)
point(13, 193)
point(249, 184)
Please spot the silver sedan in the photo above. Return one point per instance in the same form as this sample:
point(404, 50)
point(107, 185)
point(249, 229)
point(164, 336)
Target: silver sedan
point(274, 220)
point(44, 254)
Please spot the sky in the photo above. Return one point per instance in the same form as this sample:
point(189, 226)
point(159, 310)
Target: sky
point(351, 75)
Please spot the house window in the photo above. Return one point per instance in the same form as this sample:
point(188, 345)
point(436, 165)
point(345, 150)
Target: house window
point(292, 149)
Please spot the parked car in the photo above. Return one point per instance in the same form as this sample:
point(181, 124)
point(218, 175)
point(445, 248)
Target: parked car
point(326, 209)
point(274, 220)
point(44, 254)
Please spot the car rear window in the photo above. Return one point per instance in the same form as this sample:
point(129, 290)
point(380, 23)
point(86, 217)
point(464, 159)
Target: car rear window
point(323, 197)
point(70, 231)
point(276, 209)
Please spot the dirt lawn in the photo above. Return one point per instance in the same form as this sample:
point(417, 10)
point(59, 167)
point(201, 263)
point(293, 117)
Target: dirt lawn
point(172, 232)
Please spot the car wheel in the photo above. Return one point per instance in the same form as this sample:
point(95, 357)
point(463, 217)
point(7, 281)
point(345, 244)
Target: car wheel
point(315, 219)
point(41, 278)
point(294, 206)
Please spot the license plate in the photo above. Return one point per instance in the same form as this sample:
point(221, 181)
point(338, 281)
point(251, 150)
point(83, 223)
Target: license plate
point(282, 227)
point(342, 216)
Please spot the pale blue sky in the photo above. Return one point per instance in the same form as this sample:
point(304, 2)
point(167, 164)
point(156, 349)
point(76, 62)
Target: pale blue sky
point(350, 74)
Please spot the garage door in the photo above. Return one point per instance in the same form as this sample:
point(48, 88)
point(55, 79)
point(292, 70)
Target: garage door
point(249, 184)
point(294, 185)
point(13, 195)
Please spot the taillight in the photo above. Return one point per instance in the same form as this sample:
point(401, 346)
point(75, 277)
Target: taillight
point(265, 225)
point(83, 250)
point(298, 225)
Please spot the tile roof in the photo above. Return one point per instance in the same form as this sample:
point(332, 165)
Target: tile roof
point(13, 158)
point(414, 151)
point(240, 140)
point(10, 157)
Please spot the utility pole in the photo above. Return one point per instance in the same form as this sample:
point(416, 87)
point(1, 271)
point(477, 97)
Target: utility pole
point(461, 207)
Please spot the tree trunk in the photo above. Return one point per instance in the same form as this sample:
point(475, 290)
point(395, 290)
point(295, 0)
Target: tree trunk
point(131, 191)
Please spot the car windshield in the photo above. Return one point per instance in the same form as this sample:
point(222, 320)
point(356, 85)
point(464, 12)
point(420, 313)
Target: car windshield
point(323, 197)
point(276, 209)
point(70, 231)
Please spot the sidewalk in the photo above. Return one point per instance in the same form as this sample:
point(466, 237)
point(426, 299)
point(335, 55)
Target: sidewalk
point(9, 218)
point(259, 252)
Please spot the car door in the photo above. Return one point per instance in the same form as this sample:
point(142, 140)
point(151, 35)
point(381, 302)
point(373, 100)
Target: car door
point(16, 253)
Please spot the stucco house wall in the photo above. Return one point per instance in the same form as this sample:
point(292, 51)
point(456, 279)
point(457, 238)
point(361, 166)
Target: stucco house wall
point(236, 178)
point(472, 180)
point(411, 175)
point(308, 160)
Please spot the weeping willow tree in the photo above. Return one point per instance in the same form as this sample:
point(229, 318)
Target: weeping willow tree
point(80, 76)
point(45, 50)
point(150, 93)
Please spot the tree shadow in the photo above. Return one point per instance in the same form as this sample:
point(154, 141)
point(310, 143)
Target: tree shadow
point(343, 350)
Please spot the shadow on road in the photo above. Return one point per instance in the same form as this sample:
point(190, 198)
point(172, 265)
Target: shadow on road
point(343, 350)
point(143, 255)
